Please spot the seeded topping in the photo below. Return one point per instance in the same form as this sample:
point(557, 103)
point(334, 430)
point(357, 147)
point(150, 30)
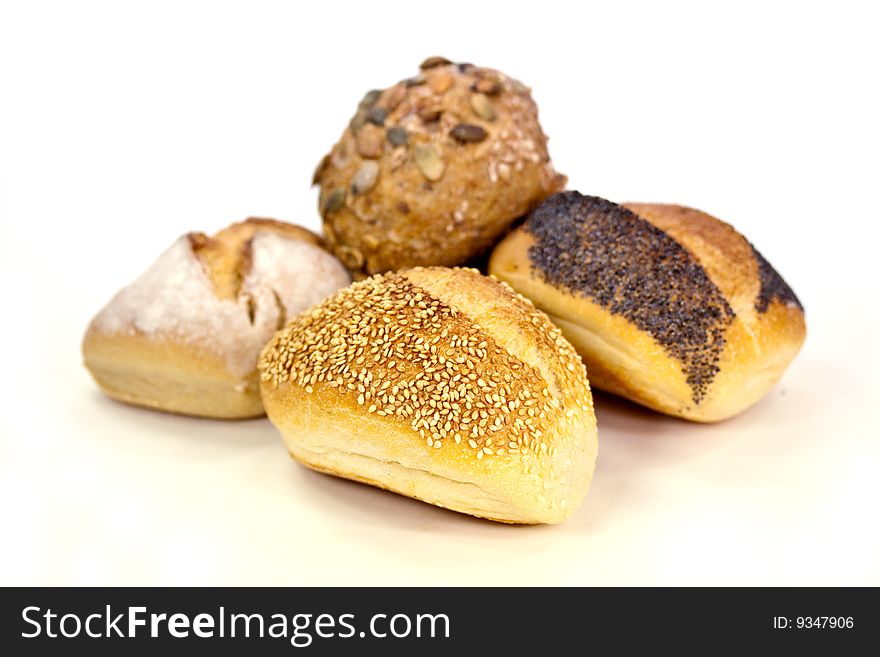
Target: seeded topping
point(434, 62)
point(370, 99)
point(430, 113)
point(376, 115)
point(429, 162)
point(440, 83)
point(487, 86)
point(350, 257)
point(451, 127)
point(365, 177)
point(482, 106)
point(334, 199)
point(396, 136)
point(772, 286)
point(320, 169)
point(357, 121)
point(397, 351)
point(368, 142)
point(468, 133)
point(602, 251)
point(394, 97)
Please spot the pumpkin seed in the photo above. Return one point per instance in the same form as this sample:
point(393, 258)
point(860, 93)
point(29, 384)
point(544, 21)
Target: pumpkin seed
point(365, 177)
point(482, 106)
point(357, 121)
point(397, 136)
point(376, 115)
point(468, 133)
point(369, 99)
point(334, 199)
point(433, 62)
point(520, 88)
point(351, 257)
point(429, 161)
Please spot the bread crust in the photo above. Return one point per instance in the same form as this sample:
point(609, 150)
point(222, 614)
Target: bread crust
point(740, 353)
point(184, 337)
point(432, 170)
point(439, 384)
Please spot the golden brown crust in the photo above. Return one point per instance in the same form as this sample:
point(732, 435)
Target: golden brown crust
point(451, 382)
point(169, 376)
point(432, 170)
point(637, 307)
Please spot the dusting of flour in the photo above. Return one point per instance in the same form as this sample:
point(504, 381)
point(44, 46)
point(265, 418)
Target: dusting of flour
point(175, 299)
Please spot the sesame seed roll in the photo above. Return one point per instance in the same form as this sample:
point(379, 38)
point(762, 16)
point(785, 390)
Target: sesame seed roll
point(440, 384)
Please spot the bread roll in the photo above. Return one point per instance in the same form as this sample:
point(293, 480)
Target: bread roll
point(668, 306)
point(432, 170)
point(439, 384)
point(185, 336)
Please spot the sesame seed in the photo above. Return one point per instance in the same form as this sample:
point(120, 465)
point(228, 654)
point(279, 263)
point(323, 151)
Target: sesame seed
point(424, 365)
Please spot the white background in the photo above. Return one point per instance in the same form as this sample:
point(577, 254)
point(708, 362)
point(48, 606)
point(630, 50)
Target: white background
point(123, 125)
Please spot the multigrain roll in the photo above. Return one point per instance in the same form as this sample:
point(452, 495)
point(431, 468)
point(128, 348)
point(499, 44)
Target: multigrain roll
point(439, 384)
point(668, 306)
point(434, 169)
point(185, 336)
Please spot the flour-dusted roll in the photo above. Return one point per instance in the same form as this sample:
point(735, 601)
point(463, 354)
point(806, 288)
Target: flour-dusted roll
point(185, 336)
point(668, 306)
point(439, 384)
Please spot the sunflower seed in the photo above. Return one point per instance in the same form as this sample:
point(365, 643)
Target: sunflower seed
point(433, 62)
point(334, 199)
point(487, 86)
point(394, 97)
point(429, 161)
point(429, 113)
point(482, 106)
point(365, 177)
point(468, 133)
point(440, 83)
point(369, 141)
point(396, 136)
point(376, 115)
